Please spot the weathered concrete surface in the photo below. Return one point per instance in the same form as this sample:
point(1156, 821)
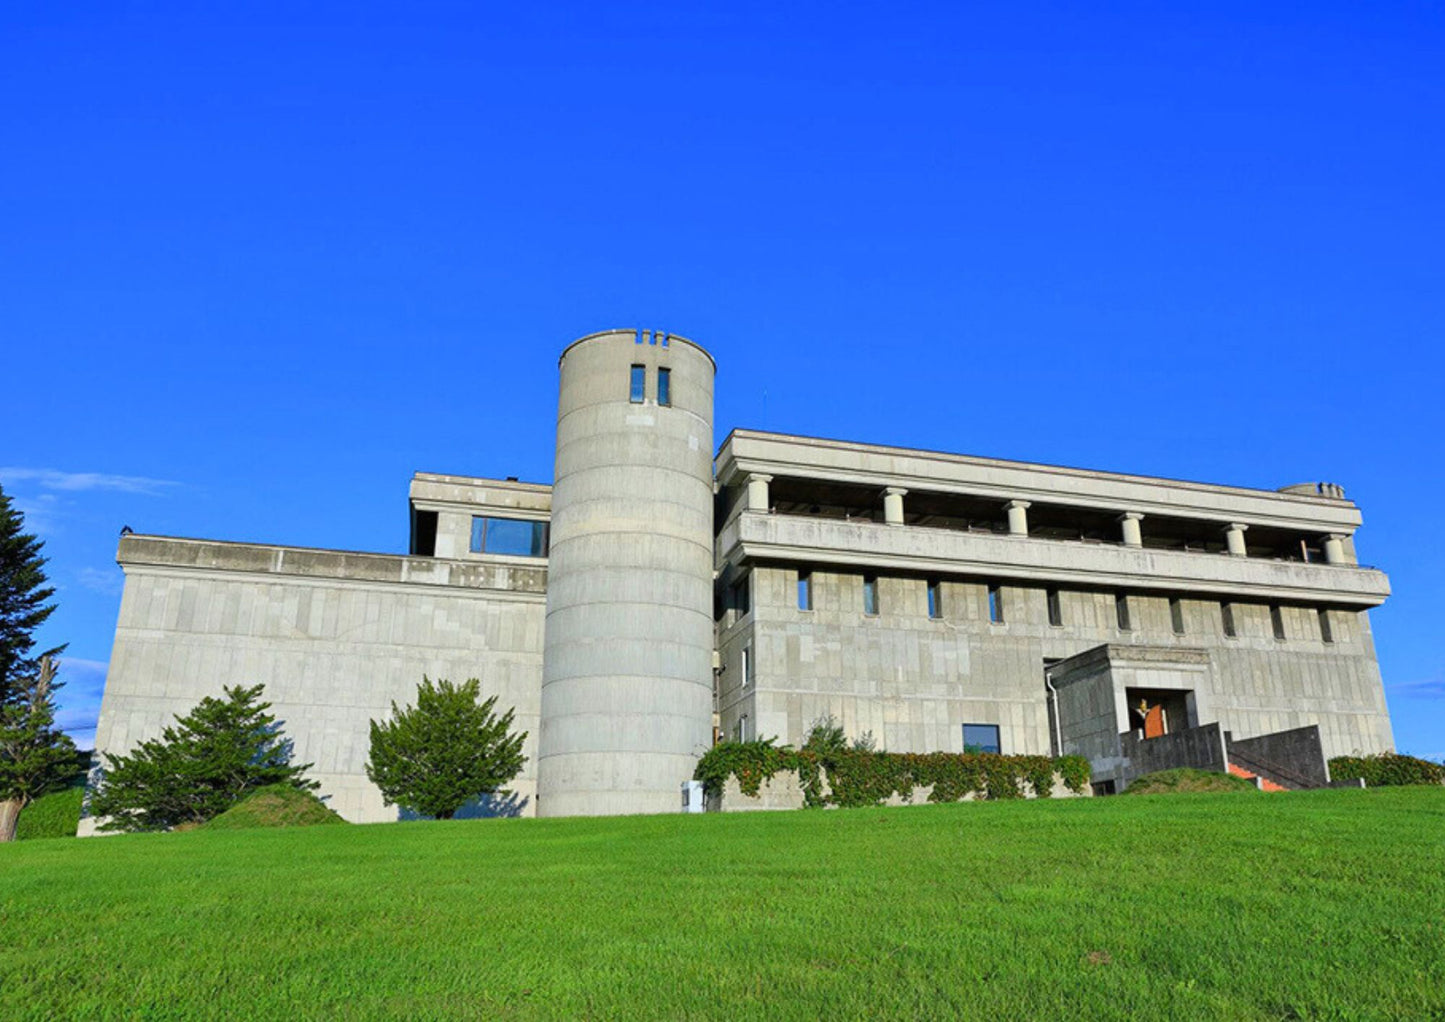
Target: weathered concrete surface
point(1196, 748)
point(627, 679)
point(335, 638)
point(1294, 758)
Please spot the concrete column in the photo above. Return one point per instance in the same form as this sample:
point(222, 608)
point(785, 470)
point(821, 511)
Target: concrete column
point(893, 505)
point(1234, 539)
point(1129, 526)
point(1018, 517)
point(1335, 549)
point(758, 492)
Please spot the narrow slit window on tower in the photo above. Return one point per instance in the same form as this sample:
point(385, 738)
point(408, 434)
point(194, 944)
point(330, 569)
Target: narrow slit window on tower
point(639, 384)
point(1327, 634)
point(935, 599)
point(747, 666)
point(1276, 621)
point(995, 604)
point(664, 386)
point(1056, 608)
point(1121, 612)
point(1226, 614)
point(1176, 614)
point(805, 590)
point(870, 595)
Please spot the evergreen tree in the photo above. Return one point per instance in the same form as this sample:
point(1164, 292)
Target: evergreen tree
point(447, 750)
point(24, 605)
point(35, 759)
point(200, 767)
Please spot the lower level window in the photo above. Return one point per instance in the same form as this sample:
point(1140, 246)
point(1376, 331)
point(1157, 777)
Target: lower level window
point(981, 738)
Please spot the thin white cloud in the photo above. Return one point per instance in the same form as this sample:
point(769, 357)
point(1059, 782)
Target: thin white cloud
point(1430, 689)
point(76, 482)
point(108, 581)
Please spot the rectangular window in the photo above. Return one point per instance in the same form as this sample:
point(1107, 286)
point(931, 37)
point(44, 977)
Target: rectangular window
point(870, 595)
point(805, 590)
point(1226, 614)
point(935, 600)
point(1327, 634)
point(515, 537)
point(1056, 608)
point(1276, 620)
point(995, 605)
point(1176, 615)
point(747, 666)
point(1121, 612)
point(664, 387)
point(742, 594)
point(981, 738)
point(639, 384)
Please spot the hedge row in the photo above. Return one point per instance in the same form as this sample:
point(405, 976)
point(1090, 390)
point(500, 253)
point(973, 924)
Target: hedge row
point(1386, 769)
point(860, 777)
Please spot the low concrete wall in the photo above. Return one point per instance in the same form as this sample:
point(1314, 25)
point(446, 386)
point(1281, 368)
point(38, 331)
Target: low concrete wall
point(785, 791)
point(1297, 756)
point(1200, 748)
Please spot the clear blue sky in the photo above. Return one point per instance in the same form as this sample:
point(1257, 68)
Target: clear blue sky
point(258, 264)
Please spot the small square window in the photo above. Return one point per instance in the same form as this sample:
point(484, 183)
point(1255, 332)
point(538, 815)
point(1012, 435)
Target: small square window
point(639, 384)
point(1226, 614)
point(1176, 615)
point(805, 590)
point(664, 387)
point(1056, 608)
point(870, 595)
point(981, 738)
point(935, 600)
point(995, 605)
point(1327, 634)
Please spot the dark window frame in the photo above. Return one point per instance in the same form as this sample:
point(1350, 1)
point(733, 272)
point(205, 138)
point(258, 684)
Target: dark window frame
point(805, 589)
point(1122, 617)
point(871, 602)
point(935, 600)
point(1056, 608)
point(1176, 615)
point(1226, 617)
point(1276, 622)
point(1327, 629)
point(664, 387)
point(637, 384)
point(995, 604)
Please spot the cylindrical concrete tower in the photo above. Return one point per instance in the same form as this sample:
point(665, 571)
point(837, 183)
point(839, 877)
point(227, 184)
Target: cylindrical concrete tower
point(627, 670)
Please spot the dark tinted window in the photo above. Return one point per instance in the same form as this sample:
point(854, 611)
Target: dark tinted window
point(664, 386)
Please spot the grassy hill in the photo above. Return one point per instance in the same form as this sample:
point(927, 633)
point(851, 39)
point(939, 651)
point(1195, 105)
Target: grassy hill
point(1325, 904)
point(276, 805)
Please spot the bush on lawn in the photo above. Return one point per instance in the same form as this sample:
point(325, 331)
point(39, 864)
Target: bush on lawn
point(276, 805)
point(1387, 769)
point(53, 815)
point(1169, 782)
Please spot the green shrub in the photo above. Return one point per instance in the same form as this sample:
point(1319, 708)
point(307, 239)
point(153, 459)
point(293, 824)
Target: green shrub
point(53, 815)
point(862, 777)
point(1168, 782)
point(276, 805)
point(1387, 769)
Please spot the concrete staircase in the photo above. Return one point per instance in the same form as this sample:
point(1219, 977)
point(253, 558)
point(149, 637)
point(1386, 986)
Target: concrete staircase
point(1262, 783)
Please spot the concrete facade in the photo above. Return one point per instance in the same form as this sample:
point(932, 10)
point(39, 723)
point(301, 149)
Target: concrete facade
point(658, 596)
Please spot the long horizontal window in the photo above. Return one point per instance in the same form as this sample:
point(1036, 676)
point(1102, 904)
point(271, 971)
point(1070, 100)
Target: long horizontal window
point(517, 537)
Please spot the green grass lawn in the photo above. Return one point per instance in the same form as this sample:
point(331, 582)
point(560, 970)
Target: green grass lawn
point(1325, 904)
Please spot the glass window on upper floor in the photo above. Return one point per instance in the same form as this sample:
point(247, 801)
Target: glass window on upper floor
point(1226, 615)
point(515, 537)
point(805, 590)
point(995, 605)
point(1056, 608)
point(870, 595)
point(664, 386)
point(1327, 634)
point(981, 738)
point(935, 599)
point(1121, 612)
point(639, 384)
point(1276, 621)
point(1176, 615)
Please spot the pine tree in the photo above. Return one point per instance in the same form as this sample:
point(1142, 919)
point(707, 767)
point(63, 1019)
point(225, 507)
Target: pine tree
point(207, 762)
point(35, 759)
point(447, 750)
point(24, 605)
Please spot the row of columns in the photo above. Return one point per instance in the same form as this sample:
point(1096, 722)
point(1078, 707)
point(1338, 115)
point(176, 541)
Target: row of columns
point(1130, 531)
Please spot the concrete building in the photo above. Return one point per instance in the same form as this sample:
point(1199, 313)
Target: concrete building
point(656, 598)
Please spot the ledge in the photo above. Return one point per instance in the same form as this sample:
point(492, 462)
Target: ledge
point(916, 549)
point(216, 557)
